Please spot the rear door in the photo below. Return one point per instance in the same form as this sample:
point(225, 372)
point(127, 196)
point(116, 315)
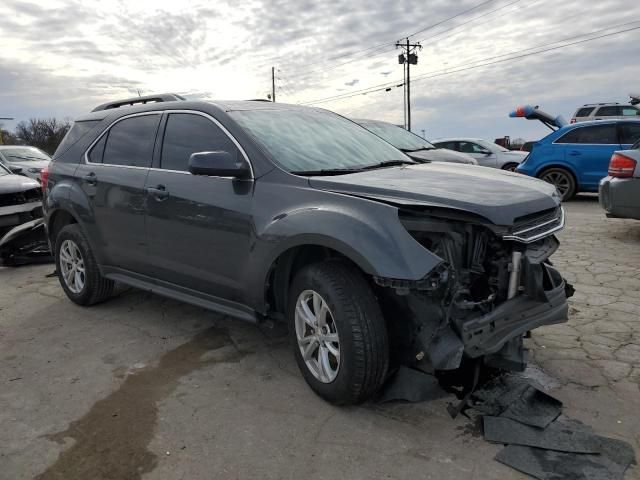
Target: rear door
point(588, 150)
point(199, 227)
point(113, 179)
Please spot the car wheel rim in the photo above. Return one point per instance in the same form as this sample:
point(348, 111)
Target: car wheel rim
point(72, 266)
point(560, 180)
point(317, 336)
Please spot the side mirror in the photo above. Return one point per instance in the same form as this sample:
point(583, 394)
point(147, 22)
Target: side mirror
point(16, 170)
point(485, 152)
point(219, 164)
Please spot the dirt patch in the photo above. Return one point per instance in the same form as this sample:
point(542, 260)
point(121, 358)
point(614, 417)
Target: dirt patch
point(111, 439)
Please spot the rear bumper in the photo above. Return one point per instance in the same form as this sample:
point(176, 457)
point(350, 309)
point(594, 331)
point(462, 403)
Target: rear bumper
point(488, 333)
point(620, 197)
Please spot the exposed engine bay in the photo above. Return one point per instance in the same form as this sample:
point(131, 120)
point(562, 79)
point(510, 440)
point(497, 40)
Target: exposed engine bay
point(481, 301)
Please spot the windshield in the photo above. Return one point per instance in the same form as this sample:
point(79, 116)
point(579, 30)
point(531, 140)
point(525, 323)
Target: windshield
point(492, 146)
point(310, 140)
point(25, 154)
point(397, 136)
point(4, 170)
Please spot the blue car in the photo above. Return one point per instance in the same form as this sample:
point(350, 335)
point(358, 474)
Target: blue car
point(576, 157)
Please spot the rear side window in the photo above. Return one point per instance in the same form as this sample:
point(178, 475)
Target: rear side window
point(77, 131)
point(130, 141)
point(187, 133)
point(629, 133)
point(608, 112)
point(596, 134)
point(584, 112)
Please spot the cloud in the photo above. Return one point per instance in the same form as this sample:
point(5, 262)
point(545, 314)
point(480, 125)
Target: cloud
point(62, 57)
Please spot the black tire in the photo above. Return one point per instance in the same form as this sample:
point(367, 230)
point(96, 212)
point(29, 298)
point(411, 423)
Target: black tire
point(96, 288)
point(364, 348)
point(562, 179)
point(510, 167)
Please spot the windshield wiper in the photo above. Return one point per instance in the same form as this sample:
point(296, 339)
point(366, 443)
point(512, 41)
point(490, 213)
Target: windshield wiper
point(326, 171)
point(389, 163)
point(407, 150)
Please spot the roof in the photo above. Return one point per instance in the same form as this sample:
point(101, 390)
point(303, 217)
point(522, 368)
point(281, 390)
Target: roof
point(459, 139)
point(600, 122)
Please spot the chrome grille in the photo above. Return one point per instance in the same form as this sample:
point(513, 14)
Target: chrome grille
point(534, 227)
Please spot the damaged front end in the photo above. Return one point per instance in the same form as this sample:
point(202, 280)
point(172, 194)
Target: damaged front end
point(494, 285)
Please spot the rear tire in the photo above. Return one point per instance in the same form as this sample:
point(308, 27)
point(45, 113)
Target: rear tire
point(341, 304)
point(77, 269)
point(563, 181)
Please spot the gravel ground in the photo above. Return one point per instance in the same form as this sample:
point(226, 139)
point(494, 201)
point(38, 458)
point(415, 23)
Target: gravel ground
point(145, 387)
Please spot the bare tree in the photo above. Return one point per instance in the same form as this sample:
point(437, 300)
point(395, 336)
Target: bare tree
point(44, 133)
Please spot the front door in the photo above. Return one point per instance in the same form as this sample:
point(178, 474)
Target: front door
point(199, 228)
point(485, 157)
point(113, 180)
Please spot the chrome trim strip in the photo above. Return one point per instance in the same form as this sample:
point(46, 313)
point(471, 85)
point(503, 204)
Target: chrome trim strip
point(520, 232)
point(160, 112)
point(560, 226)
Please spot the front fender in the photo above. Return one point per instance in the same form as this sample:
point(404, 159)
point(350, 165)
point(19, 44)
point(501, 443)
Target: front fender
point(367, 232)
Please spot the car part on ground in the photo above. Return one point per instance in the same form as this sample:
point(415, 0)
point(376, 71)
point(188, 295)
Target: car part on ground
point(413, 145)
point(263, 211)
point(620, 190)
point(25, 244)
point(487, 154)
point(20, 200)
point(24, 160)
point(576, 157)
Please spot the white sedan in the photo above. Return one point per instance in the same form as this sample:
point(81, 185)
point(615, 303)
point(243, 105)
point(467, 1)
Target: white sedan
point(488, 154)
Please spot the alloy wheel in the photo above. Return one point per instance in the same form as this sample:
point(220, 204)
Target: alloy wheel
point(560, 179)
point(72, 266)
point(317, 336)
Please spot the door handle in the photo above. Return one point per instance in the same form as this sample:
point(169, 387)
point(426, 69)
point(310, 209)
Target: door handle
point(90, 178)
point(574, 153)
point(159, 192)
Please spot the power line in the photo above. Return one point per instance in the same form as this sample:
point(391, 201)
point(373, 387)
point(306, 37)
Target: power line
point(470, 65)
point(386, 44)
point(392, 47)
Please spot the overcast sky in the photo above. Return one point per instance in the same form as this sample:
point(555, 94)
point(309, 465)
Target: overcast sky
point(63, 57)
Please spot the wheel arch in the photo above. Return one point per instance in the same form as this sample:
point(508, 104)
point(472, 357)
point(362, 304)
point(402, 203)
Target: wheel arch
point(563, 166)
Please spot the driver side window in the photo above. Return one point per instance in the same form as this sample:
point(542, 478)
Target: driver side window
point(470, 147)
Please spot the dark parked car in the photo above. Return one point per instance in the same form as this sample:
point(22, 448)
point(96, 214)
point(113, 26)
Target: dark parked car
point(412, 145)
point(20, 200)
point(620, 190)
point(263, 210)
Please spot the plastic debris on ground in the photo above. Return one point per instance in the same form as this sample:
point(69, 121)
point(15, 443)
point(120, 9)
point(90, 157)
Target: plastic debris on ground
point(25, 244)
point(412, 386)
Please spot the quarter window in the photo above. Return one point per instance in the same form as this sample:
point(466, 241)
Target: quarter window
point(630, 133)
point(187, 133)
point(584, 112)
point(96, 153)
point(597, 134)
point(130, 141)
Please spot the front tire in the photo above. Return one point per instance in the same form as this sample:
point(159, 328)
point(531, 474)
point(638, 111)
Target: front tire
point(563, 181)
point(338, 332)
point(77, 269)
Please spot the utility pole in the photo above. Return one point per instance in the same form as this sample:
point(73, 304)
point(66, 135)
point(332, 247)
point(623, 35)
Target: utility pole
point(273, 84)
point(409, 57)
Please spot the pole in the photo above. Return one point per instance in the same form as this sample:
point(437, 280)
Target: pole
point(273, 84)
point(408, 90)
point(404, 95)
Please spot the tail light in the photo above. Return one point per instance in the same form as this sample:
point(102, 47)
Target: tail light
point(44, 178)
point(621, 166)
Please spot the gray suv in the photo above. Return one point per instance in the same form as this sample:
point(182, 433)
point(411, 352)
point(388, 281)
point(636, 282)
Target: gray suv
point(269, 211)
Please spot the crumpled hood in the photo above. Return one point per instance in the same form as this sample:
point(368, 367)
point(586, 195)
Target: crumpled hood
point(497, 195)
point(16, 183)
point(442, 155)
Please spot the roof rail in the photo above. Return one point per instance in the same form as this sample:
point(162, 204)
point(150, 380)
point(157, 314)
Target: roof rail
point(596, 104)
point(127, 102)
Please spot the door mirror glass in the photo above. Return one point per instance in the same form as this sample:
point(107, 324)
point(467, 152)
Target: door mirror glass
point(219, 164)
point(16, 170)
